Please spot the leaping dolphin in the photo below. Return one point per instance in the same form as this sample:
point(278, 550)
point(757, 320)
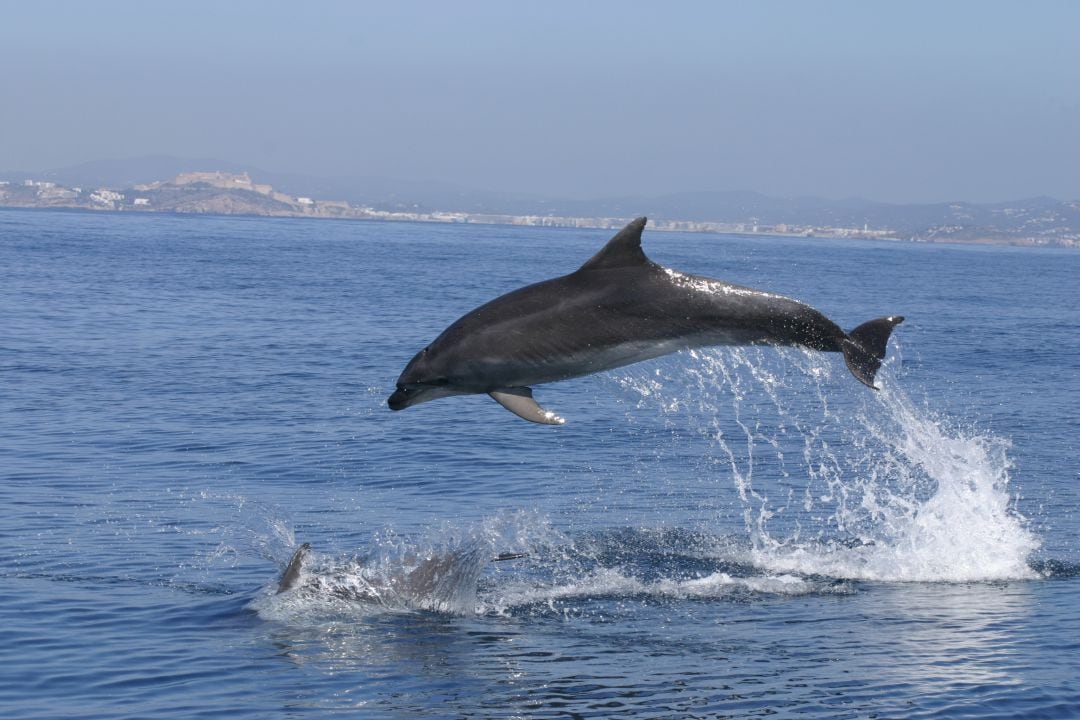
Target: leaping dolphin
point(616, 309)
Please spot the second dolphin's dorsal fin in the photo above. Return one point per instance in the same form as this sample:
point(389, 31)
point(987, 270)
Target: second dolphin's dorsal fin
point(623, 250)
point(291, 576)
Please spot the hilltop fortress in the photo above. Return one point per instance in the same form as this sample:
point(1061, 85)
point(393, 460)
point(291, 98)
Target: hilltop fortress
point(231, 194)
point(225, 181)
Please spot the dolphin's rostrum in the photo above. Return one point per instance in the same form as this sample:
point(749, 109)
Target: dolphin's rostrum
point(616, 309)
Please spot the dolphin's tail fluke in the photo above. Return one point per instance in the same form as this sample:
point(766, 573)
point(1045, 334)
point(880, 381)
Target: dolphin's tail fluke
point(864, 347)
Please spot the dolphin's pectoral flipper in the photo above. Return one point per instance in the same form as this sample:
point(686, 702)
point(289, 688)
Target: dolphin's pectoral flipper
point(291, 575)
point(864, 347)
point(519, 400)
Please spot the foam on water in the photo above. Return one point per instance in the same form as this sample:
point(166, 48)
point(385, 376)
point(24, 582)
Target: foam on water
point(608, 582)
point(639, 564)
point(438, 572)
point(891, 491)
point(450, 570)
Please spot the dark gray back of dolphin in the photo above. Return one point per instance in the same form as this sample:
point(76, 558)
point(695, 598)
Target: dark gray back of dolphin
point(618, 308)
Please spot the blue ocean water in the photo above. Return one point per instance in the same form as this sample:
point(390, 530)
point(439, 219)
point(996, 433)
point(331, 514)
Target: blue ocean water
point(718, 533)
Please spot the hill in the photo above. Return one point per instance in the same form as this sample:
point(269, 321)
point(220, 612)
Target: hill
point(160, 182)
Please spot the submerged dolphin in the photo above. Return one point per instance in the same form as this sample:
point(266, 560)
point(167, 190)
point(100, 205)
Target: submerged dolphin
point(419, 580)
point(616, 309)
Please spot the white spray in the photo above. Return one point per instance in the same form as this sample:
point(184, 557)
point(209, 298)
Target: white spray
point(890, 491)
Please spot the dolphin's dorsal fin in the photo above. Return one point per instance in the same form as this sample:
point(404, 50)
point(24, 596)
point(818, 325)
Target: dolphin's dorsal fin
point(291, 575)
point(623, 250)
point(519, 400)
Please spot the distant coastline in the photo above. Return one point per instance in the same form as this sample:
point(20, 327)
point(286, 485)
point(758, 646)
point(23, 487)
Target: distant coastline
point(225, 193)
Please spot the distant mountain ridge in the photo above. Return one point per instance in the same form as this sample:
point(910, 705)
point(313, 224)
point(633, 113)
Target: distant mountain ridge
point(1034, 219)
point(1038, 214)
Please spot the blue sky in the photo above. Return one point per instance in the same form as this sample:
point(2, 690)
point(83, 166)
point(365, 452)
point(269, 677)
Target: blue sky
point(912, 101)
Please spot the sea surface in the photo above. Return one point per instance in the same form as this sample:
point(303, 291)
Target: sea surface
point(737, 532)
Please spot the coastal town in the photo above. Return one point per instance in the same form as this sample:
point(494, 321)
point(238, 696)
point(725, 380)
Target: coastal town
point(236, 193)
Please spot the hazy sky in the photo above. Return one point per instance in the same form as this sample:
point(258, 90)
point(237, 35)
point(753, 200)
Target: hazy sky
point(900, 101)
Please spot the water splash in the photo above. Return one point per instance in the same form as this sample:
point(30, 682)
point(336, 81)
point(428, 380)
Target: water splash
point(438, 572)
point(234, 528)
point(890, 490)
point(835, 483)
